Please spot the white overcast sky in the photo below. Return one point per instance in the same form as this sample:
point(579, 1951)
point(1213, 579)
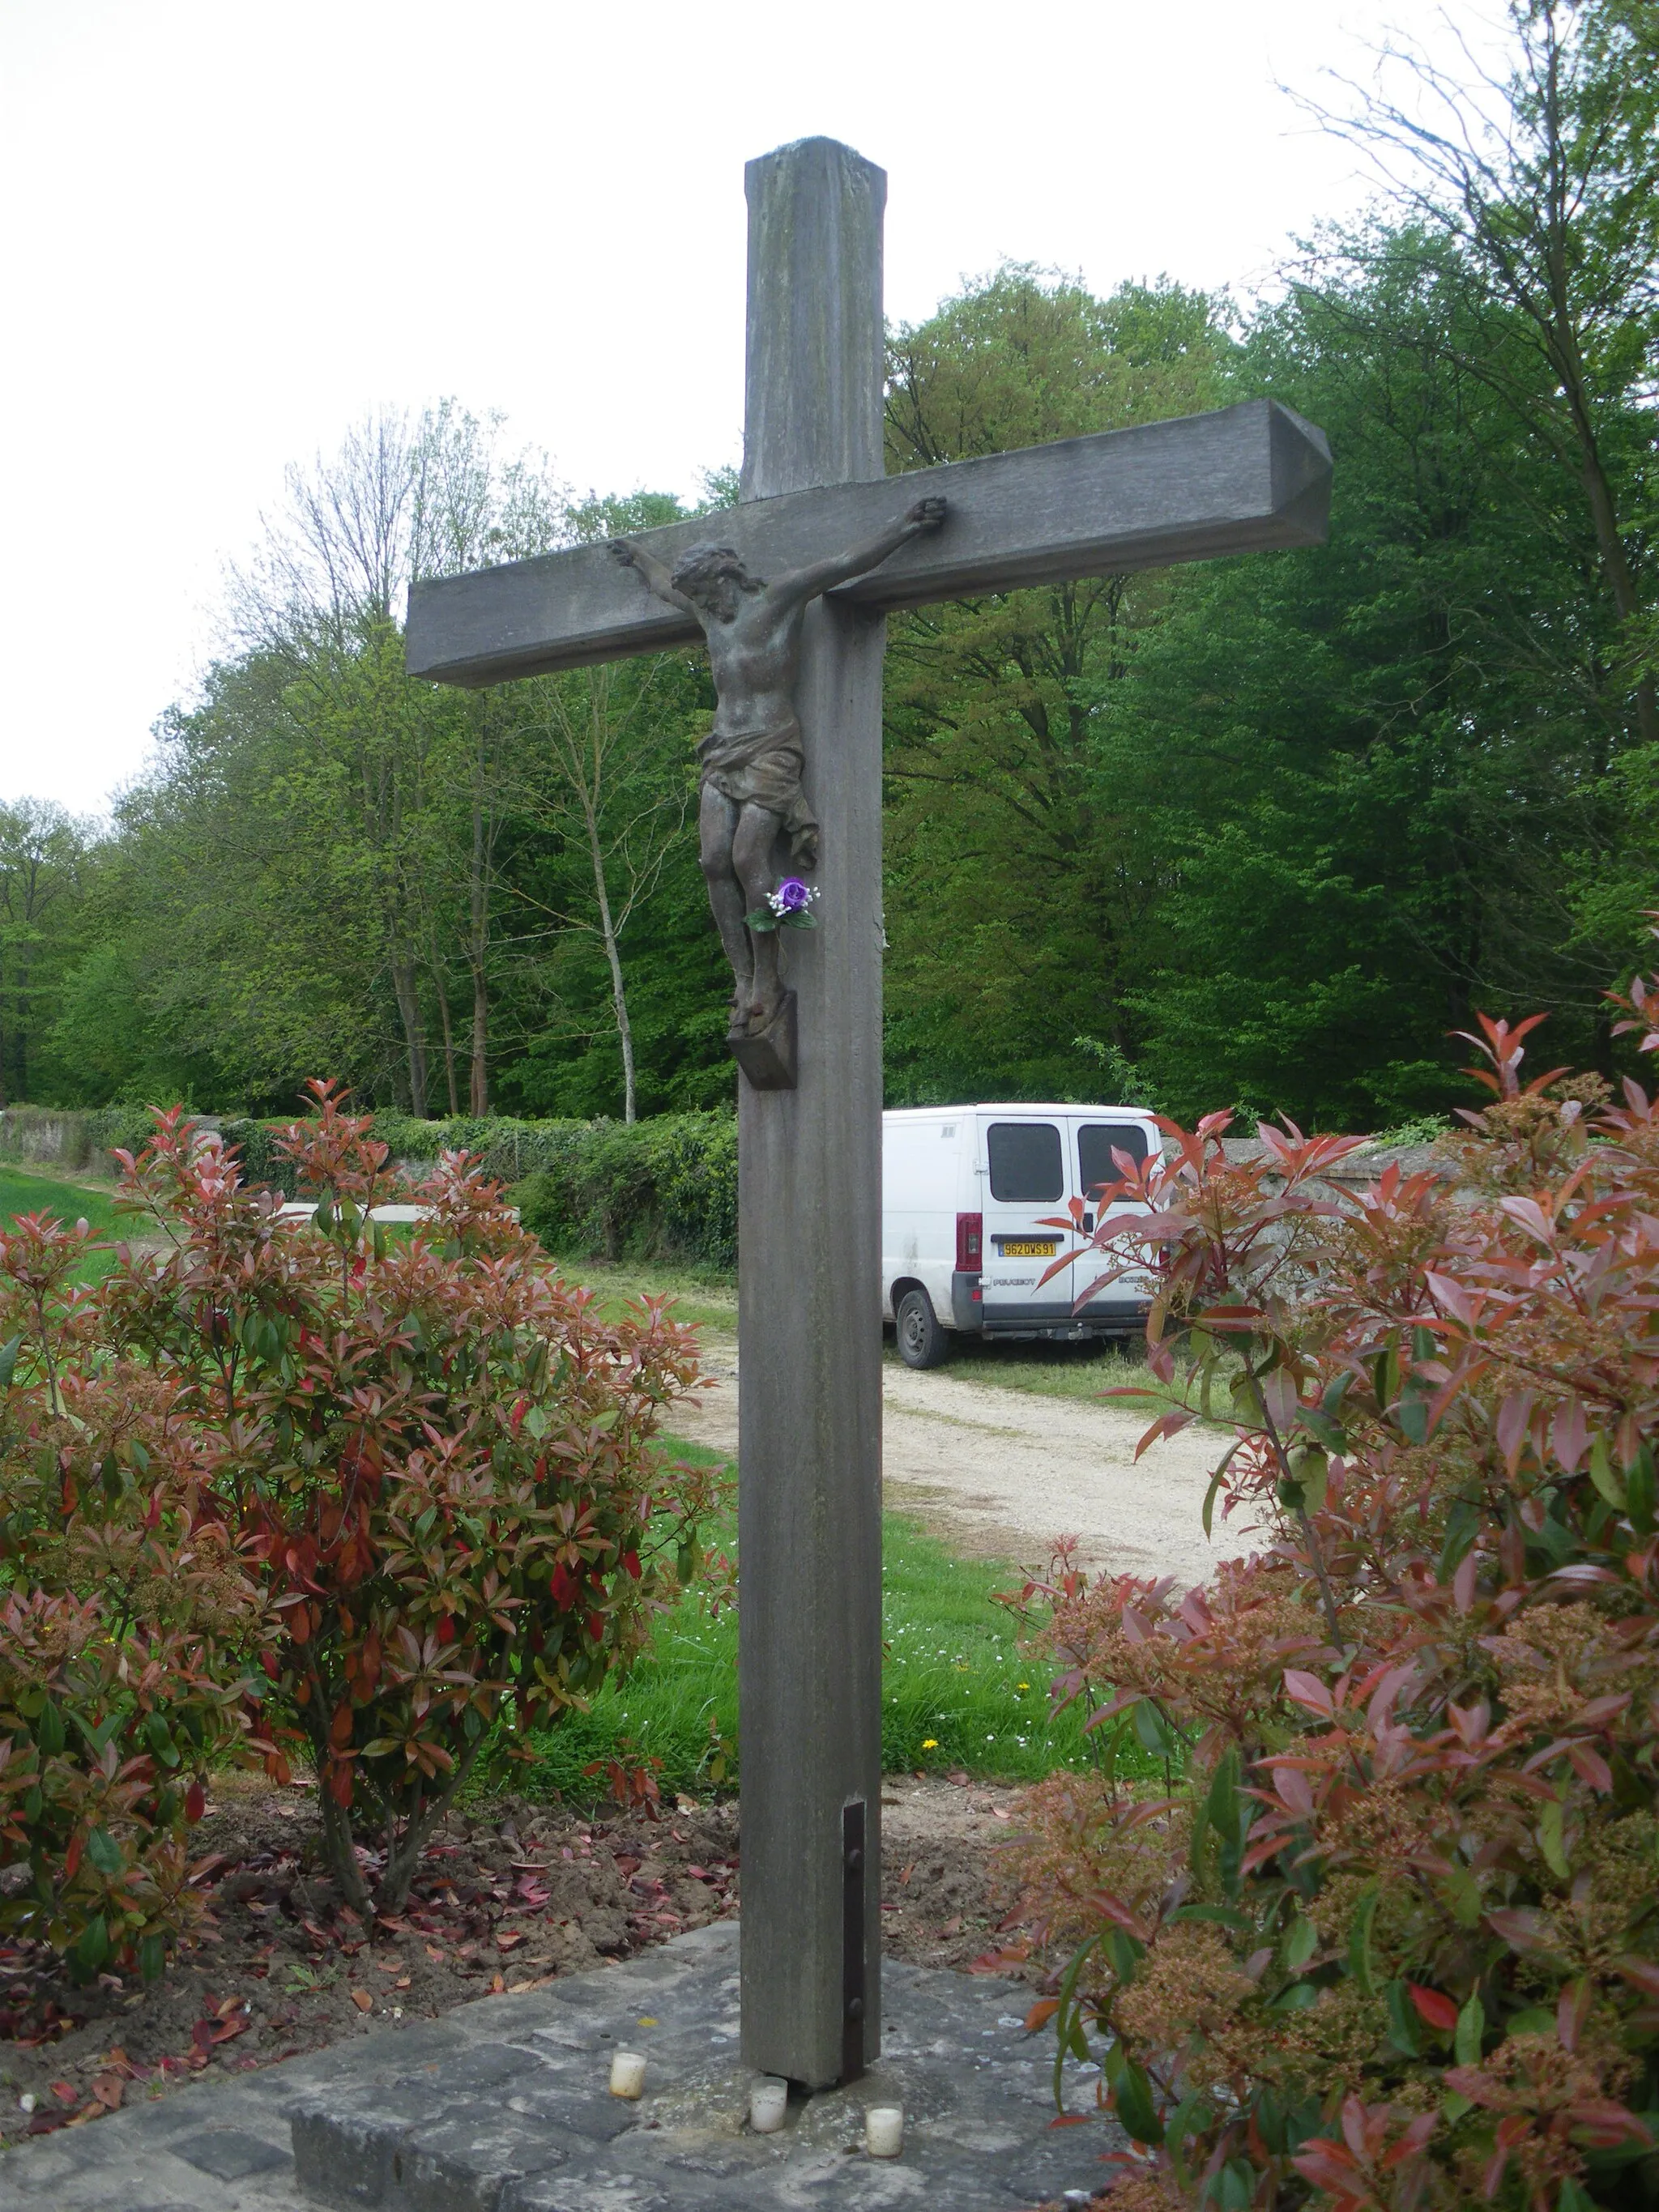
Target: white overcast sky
point(232, 226)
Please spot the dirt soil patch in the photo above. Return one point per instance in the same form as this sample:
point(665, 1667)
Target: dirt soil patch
point(508, 1895)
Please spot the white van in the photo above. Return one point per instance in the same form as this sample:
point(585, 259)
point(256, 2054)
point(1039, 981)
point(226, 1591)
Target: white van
point(964, 1191)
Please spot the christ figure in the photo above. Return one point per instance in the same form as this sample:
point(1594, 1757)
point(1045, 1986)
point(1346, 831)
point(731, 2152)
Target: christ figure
point(751, 758)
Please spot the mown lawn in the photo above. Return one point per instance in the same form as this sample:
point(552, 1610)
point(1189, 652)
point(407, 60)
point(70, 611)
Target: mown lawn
point(703, 1298)
point(957, 1692)
point(23, 1193)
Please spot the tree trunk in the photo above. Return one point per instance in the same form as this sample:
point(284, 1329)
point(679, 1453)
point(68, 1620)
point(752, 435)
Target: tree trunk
point(448, 1027)
point(477, 946)
point(478, 1103)
point(408, 1009)
point(1615, 561)
point(618, 996)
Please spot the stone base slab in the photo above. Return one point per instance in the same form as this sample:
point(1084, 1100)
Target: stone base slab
point(502, 2105)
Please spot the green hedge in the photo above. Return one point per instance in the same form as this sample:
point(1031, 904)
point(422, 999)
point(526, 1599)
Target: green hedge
point(510, 1150)
point(256, 1141)
point(665, 1188)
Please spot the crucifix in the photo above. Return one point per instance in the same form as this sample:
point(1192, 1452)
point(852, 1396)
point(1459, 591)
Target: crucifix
point(794, 766)
point(752, 761)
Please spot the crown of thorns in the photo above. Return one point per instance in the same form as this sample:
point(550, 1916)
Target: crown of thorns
point(706, 564)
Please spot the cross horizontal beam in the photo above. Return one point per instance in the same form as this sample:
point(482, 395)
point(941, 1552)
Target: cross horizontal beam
point(1245, 479)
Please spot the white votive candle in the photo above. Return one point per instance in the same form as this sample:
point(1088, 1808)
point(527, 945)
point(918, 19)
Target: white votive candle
point(884, 2130)
point(768, 2100)
point(627, 2075)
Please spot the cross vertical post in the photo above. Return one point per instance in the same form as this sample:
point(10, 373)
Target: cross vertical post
point(809, 1511)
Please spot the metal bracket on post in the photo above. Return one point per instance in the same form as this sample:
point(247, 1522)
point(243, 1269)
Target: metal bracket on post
point(853, 1991)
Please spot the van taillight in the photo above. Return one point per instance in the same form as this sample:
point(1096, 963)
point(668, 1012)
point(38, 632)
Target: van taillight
point(970, 1239)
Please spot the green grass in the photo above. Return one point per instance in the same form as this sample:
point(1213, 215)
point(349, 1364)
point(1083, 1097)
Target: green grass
point(1083, 1372)
point(703, 1298)
point(21, 1192)
point(957, 1692)
point(1050, 1370)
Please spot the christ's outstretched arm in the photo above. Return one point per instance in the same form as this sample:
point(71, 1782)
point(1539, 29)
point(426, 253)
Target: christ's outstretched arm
point(803, 584)
point(657, 578)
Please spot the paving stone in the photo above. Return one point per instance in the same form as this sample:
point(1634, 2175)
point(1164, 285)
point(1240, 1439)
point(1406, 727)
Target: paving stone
point(345, 2140)
point(230, 2154)
point(615, 2192)
point(478, 2067)
point(37, 2170)
point(467, 2166)
point(581, 2109)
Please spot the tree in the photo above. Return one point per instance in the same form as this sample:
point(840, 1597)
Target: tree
point(1015, 896)
point(1545, 183)
point(44, 857)
point(1381, 767)
point(606, 771)
point(326, 595)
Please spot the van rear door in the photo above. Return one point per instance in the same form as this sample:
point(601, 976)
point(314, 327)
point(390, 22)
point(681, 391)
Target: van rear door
point(1027, 1171)
point(1098, 1140)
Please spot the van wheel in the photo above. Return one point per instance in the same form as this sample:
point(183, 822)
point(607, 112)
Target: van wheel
point(922, 1341)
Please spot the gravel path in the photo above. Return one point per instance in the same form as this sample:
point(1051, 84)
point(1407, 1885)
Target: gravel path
point(1002, 1472)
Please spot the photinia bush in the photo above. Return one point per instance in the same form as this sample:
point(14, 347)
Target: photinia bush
point(128, 1624)
point(1389, 1935)
point(436, 1457)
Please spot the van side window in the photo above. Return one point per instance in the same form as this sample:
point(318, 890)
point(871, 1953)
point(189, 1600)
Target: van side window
point(1025, 1162)
point(1096, 1143)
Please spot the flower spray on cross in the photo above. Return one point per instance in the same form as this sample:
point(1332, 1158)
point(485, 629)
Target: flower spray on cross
point(789, 907)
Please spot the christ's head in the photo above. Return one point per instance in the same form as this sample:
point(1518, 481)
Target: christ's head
point(714, 578)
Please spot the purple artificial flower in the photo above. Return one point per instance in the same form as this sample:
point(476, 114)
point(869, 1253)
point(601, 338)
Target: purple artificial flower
point(791, 896)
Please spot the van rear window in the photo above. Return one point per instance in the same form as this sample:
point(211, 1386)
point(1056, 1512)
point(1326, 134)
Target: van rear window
point(1096, 1143)
point(1025, 1162)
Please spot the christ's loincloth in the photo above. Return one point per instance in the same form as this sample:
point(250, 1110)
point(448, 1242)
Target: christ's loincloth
point(764, 767)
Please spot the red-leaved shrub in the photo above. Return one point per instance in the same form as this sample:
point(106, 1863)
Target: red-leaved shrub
point(440, 1458)
point(1390, 1937)
point(395, 1498)
point(129, 1623)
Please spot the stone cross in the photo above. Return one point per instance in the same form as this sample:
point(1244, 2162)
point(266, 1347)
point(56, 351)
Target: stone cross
point(1244, 479)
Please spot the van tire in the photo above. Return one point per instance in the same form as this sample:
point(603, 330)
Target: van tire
point(922, 1341)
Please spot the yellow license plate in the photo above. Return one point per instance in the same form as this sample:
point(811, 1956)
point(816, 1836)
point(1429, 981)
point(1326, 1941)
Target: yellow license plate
point(1028, 1248)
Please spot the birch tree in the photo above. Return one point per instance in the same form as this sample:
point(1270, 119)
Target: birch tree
point(604, 770)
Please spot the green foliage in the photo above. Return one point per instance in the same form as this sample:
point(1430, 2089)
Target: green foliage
point(44, 855)
point(1264, 829)
point(1012, 916)
point(665, 1188)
